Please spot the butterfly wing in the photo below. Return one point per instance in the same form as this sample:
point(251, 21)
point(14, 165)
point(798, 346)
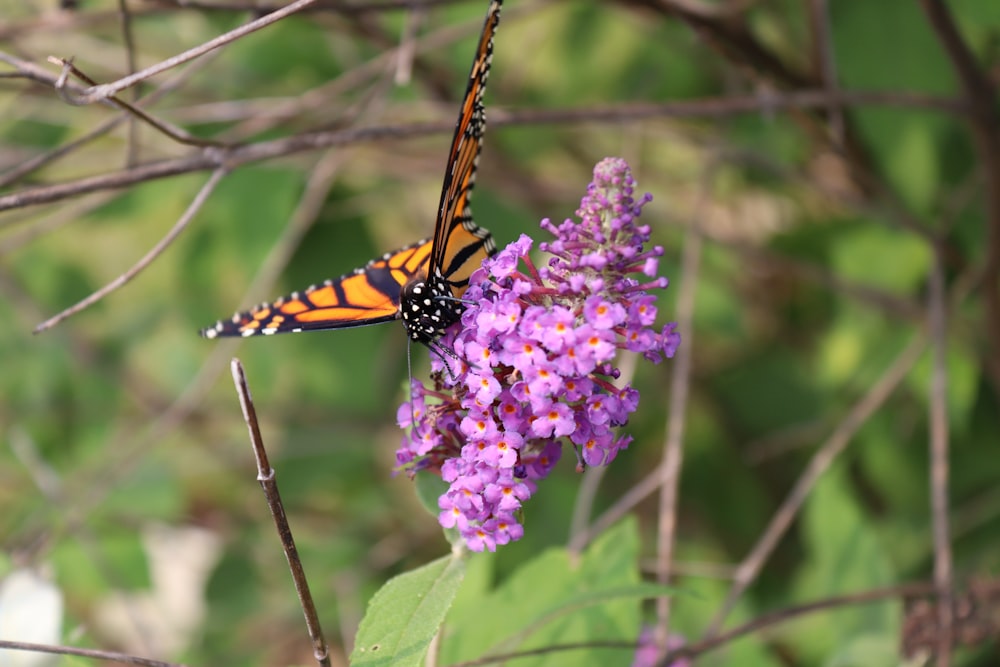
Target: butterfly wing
point(428, 270)
point(369, 295)
point(459, 244)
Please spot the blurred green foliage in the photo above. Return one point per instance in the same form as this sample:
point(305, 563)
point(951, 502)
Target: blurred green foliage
point(122, 418)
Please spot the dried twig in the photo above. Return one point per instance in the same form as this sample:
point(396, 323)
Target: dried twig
point(122, 658)
point(146, 260)
point(175, 133)
point(680, 381)
point(939, 471)
point(104, 91)
point(824, 457)
point(819, 18)
point(266, 477)
point(706, 645)
point(241, 155)
point(28, 166)
point(981, 98)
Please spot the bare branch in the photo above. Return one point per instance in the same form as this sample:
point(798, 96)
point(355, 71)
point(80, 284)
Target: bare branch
point(163, 244)
point(171, 131)
point(102, 92)
point(86, 653)
point(240, 155)
point(39, 161)
point(673, 446)
point(332, 6)
point(266, 477)
point(821, 461)
point(819, 17)
point(939, 470)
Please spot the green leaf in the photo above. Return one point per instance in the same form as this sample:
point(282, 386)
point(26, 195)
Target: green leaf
point(963, 370)
point(559, 598)
point(907, 147)
point(405, 614)
point(429, 489)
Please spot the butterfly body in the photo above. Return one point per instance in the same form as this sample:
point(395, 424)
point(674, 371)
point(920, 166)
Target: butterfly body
point(420, 284)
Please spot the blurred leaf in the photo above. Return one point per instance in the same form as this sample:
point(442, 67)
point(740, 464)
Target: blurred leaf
point(404, 616)
point(531, 609)
point(906, 146)
point(876, 256)
point(29, 132)
point(429, 488)
point(867, 651)
point(82, 570)
point(964, 372)
point(845, 554)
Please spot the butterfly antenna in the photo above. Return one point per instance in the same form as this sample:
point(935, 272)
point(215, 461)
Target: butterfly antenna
point(464, 302)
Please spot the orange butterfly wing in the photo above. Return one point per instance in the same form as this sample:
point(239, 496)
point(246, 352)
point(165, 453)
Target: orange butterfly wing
point(460, 245)
point(374, 293)
point(367, 296)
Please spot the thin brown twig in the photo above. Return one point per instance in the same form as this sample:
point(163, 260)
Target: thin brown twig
point(241, 155)
point(790, 613)
point(122, 658)
point(268, 482)
point(32, 72)
point(819, 19)
point(981, 98)
point(333, 6)
point(939, 470)
point(58, 218)
point(104, 91)
point(128, 40)
point(75, 21)
point(146, 260)
point(175, 133)
point(980, 93)
point(706, 645)
point(824, 457)
point(680, 383)
point(636, 494)
point(43, 159)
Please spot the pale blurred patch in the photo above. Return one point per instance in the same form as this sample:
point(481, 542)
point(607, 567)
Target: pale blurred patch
point(31, 610)
point(161, 622)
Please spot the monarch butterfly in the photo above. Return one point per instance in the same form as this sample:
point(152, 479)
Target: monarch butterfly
point(422, 283)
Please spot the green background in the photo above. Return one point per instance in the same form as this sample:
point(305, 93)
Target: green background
point(122, 421)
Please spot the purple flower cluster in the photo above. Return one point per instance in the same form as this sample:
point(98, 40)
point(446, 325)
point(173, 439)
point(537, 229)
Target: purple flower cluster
point(529, 367)
point(648, 654)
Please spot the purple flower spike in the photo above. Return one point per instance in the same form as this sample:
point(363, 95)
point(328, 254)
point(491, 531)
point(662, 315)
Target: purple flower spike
point(529, 369)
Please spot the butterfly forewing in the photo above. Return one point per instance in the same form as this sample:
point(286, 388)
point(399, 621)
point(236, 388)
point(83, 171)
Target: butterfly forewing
point(367, 296)
point(459, 244)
